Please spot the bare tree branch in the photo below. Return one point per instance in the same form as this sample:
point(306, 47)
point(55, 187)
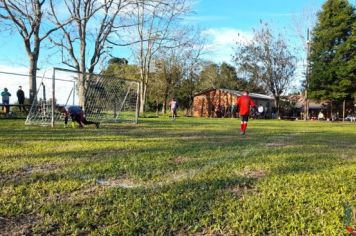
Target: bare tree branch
point(27, 17)
point(156, 22)
point(94, 21)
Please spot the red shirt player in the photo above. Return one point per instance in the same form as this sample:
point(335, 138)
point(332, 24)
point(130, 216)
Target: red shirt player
point(244, 102)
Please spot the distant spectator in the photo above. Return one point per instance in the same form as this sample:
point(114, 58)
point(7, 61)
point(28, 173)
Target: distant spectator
point(265, 110)
point(233, 110)
point(174, 106)
point(21, 98)
point(321, 116)
point(212, 111)
point(218, 111)
point(6, 100)
point(260, 111)
point(223, 111)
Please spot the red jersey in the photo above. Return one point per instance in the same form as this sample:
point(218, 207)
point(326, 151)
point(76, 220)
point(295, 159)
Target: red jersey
point(245, 102)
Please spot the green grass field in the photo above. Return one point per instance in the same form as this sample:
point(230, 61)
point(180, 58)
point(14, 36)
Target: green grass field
point(191, 176)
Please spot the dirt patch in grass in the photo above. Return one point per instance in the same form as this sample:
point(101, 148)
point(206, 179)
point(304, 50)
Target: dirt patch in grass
point(47, 167)
point(280, 141)
point(251, 175)
point(107, 154)
point(346, 157)
point(23, 173)
point(21, 225)
point(254, 174)
point(276, 144)
point(121, 182)
point(179, 159)
point(241, 189)
point(181, 175)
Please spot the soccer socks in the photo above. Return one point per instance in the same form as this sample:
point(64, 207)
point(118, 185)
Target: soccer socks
point(245, 127)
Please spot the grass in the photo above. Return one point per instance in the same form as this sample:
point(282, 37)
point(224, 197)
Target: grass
point(189, 176)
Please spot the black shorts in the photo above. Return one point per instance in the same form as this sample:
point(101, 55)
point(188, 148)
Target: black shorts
point(244, 118)
point(76, 117)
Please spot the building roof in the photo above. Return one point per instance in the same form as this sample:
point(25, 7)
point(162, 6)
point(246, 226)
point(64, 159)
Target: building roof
point(237, 93)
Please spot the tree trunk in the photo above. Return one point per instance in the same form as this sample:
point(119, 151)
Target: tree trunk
point(157, 108)
point(32, 78)
point(276, 103)
point(143, 88)
point(81, 89)
point(82, 65)
point(115, 109)
point(164, 108)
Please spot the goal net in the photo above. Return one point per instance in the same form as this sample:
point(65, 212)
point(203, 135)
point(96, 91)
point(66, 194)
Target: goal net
point(107, 99)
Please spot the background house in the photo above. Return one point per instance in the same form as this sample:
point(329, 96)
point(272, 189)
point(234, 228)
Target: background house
point(221, 103)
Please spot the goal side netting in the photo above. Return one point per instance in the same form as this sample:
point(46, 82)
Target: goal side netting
point(107, 99)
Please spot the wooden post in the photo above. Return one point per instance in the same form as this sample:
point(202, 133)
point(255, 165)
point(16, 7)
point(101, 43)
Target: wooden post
point(306, 109)
point(343, 111)
point(53, 95)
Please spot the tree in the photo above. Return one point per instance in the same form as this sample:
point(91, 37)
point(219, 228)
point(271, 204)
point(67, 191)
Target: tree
point(175, 72)
point(28, 18)
point(209, 76)
point(115, 74)
point(225, 76)
point(191, 69)
point(267, 60)
point(302, 22)
point(120, 68)
point(93, 24)
point(228, 77)
point(169, 72)
point(333, 53)
point(157, 28)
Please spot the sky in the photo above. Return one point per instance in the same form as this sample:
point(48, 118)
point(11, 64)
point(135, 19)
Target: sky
point(223, 23)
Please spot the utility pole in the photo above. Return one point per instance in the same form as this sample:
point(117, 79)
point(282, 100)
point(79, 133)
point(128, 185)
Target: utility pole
point(306, 101)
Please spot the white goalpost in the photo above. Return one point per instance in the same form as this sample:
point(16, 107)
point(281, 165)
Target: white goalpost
point(107, 99)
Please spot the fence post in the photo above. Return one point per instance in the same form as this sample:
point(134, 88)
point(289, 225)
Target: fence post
point(53, 95)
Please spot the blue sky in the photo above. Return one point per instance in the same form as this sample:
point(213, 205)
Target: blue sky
point(216, 18)
point(221, 21)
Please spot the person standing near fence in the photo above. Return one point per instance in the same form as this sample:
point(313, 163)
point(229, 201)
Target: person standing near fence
point(21, 98)
point(6, 100)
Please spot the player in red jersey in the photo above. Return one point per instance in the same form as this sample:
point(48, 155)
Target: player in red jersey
point(244, 102)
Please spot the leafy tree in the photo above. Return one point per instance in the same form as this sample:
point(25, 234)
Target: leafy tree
point(119, 68)
point(220, 76)
point(268, 61)
point(209, 76)
point(333, 53)
point(169, 71)
point(228, 76)
point(111, 87)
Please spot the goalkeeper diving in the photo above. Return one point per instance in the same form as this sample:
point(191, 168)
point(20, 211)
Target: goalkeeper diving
point(76, 114)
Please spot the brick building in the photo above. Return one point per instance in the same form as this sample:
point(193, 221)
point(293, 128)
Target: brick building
point(221, 103)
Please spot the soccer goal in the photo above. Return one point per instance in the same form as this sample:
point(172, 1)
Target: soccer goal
point(106, 99)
